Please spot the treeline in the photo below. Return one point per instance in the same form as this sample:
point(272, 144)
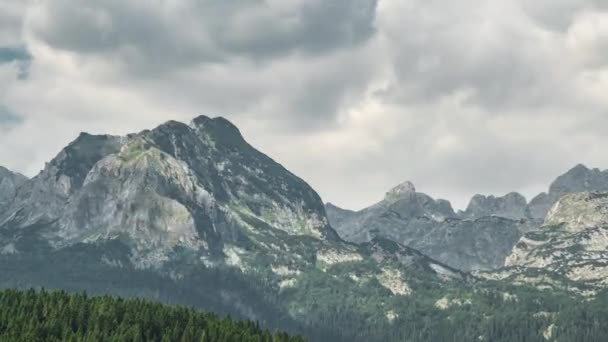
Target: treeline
point(31, 316)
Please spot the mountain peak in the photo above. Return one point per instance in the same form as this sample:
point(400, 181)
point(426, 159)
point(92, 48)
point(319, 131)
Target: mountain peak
point(404, 188)
point(579, 167)
point(219, 129)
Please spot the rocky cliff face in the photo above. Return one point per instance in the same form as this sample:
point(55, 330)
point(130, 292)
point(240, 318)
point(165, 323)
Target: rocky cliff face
point(431, 226)
point(9, 183)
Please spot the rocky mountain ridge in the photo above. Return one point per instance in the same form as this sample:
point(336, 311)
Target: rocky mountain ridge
point(478, 238)
point(431, 226)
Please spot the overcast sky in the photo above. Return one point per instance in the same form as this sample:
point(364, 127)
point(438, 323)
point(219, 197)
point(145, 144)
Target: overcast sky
point(354, 96)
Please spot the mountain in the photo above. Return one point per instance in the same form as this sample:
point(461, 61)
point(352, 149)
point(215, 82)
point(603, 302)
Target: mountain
point(578, 179)
point(512, 206)
point(192, 214)
point(9, 183)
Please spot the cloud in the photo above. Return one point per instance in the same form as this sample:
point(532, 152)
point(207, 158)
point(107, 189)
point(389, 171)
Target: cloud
point(8, 118)
point(355, 96)
point(19, 56)
point(559, 15)
point(151, 37)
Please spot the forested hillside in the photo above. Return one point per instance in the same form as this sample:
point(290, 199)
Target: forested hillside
point(57, 316)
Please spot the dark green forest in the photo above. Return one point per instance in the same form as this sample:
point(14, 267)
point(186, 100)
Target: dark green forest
point(31, 316)
point(58, 316)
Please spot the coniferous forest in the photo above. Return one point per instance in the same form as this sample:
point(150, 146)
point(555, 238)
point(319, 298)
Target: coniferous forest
point(32, 316)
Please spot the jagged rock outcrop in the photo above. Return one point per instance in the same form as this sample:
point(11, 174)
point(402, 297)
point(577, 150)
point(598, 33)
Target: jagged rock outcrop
point(512, 206)
point(578, 179)
point(431, 226)
point(402, 203)
point(9, 183)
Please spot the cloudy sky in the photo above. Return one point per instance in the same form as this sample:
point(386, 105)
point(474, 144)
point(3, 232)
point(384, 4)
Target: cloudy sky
point(355, 96)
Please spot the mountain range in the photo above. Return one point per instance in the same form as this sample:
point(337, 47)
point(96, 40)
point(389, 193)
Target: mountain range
point(478, 238)
point(192, 214)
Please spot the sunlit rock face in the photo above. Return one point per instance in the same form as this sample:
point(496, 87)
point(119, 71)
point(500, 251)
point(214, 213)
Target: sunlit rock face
point(578, 211)
point(573, 241)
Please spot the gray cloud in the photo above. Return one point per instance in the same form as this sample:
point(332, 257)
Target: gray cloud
point(559, 15)
point(155, 36)
point(8, 118)
point(18, 55)
point(489, 54)
point(355, 96)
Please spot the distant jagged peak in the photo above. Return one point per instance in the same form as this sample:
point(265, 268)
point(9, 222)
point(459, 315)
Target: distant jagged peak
point(511, 197)
point(580, 178)
point(582, 169)
point(400, 190)
point(579, 167)
point(512, 205)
